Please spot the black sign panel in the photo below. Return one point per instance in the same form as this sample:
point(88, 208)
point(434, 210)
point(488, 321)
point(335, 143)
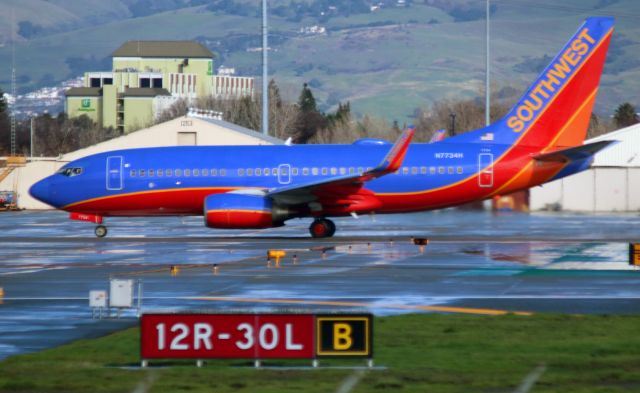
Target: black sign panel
point(344, 335)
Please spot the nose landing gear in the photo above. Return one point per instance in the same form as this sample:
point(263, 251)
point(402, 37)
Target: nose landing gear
point(101, 231)
point(321, 227)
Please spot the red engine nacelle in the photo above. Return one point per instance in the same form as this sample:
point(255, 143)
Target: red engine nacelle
point(240, 211)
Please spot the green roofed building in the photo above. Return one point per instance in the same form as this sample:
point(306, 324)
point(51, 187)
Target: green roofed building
point(146, 78)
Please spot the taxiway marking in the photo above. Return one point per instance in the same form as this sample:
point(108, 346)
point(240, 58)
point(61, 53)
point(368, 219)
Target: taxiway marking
point(449, 309)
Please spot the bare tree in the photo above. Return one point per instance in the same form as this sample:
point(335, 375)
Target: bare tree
point(177, 109)
point(243, 111)
point(599, 126)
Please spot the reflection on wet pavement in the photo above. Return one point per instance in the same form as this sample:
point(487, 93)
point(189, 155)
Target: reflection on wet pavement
point(517, 262)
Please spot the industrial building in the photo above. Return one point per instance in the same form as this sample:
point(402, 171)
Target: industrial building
point(146, 78)
point(193, 129)
point(611, 185)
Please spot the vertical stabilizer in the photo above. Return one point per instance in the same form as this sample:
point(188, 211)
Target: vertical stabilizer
point(556, 109)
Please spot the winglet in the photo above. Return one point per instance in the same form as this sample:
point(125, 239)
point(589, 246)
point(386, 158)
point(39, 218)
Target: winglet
point(438, 136)
point(394, 158)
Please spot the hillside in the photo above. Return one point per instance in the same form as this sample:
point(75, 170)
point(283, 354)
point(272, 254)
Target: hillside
point(387, 62)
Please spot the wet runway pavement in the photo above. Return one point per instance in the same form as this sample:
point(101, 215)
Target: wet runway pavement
point(476, 262)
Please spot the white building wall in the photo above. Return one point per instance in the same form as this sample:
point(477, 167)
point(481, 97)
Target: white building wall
point(604, 189)
point(626, 153)
point(612, 184)
point(611, 189)
point(547, 196)
point(633, 189)
point(577, 192)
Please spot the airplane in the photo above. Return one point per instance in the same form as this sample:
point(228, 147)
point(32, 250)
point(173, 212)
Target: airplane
point(256, 187)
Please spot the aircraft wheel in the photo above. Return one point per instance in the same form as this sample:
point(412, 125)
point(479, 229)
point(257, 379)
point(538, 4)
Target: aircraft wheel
point(101, 231)
point(322, 228)
point(332, 227)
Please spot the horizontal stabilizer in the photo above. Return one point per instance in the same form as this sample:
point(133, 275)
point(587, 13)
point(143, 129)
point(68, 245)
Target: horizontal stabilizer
point(574, 153)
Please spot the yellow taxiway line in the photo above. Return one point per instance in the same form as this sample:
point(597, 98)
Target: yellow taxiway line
point(462, 310)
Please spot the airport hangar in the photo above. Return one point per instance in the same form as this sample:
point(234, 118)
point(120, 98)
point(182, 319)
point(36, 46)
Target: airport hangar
point(612, 184)
point(195, 128)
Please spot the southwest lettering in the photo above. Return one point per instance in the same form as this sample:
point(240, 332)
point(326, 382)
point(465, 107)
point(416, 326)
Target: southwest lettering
point(515, 124)
point(547, 84)
point(521, 113)
point(560, 70)
point(570, 56)
point(585, 34)
point(552, 81)
point(531, 105)
point(580, 47)
point(539, 90)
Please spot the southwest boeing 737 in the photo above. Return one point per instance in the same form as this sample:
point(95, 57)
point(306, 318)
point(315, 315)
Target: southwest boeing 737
point(251, 187)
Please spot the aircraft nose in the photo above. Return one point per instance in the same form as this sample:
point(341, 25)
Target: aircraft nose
point(40, 190)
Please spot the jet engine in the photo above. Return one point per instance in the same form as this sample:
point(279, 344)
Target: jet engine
point(241, 211)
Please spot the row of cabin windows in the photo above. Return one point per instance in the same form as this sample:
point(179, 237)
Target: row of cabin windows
point(423, 170)
point(343, 171)
point(177, 172)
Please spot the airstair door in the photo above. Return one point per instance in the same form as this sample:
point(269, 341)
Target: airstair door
point(485, 169)
point(114, 173)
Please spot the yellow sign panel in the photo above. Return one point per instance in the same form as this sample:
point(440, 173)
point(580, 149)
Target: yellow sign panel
point(344, 336)
point(634, 254)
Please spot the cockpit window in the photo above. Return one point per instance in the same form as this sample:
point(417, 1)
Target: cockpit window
point(70, 171)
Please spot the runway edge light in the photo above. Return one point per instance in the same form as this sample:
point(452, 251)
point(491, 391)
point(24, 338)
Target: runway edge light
point(634, 254)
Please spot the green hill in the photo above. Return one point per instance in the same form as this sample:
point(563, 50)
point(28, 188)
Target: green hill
point(386, 62)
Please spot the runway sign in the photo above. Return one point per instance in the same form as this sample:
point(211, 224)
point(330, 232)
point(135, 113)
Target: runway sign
point(254, 336)
point(344, 336)
point(236, 336)
point(634, 254)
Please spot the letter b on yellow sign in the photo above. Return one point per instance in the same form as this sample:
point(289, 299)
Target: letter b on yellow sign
point(344, 335)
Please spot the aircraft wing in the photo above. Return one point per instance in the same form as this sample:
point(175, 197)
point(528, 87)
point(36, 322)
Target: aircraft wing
point(344, 184)
point(574, 153)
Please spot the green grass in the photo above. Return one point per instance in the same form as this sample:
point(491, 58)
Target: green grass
point(423, 352)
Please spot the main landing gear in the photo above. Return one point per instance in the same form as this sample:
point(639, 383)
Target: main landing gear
point(101, 231)
point(321, 227)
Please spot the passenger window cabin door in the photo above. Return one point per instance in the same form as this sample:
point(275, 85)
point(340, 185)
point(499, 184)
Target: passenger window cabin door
point(114, 173)
point(284, 174)
point(485, 170)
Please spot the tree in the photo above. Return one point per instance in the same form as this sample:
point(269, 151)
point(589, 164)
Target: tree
point(3, 102)
point(5, 125)
point(625, 115)
point(274, 94)
point(307, 102)
point(599, 126)
point(309, 119)
point(282, 115)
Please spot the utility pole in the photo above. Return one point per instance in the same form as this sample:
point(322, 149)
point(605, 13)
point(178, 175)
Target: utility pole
point(487, 90)
point(31, 137)
point(13, 85)
point(265, 74)
point(453, 123)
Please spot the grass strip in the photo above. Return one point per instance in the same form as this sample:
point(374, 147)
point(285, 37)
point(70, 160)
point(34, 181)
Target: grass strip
point(422, 352)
